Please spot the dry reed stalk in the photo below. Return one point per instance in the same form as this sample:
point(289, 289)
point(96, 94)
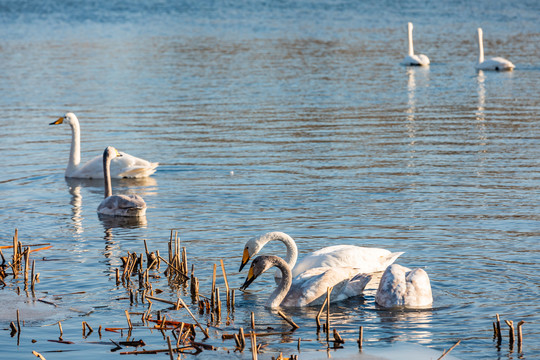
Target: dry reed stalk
point(18, 321)
point(218, 304)
point(205, 332)
point(288, 320)
point(520, 335)
point(174, 268)
point(328, 292)
point(128, 320)
point(232, 299)
point(33, 282)
point(170, 347)
point(360, 336)
point(253, 345)
point(38, 355)
point(39, 249)
point(212, 299)
point(99, 331)
point(252, 320)
point(446, 352)
point(242, 337)
point(317, 318)
point(338, 339)
point(498, 325)
point(60, 328)
point(510, 324)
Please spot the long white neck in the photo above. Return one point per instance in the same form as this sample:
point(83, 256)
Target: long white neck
point(75, 151)
point(409, 28)
point(284, 285)
point(292, 250)
point(480, 46)
point(107, 173)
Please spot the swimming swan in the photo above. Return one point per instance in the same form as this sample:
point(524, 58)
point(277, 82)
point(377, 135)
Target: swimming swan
point(310, 287)
point(118, 205)
point(401, 286)
point(126, 166)
point(496, 63)
point(411, 59)
point(364, 259)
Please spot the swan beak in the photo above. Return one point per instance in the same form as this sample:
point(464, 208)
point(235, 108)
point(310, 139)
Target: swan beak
point(245, 259)
point(249, 279)
point(57, 122)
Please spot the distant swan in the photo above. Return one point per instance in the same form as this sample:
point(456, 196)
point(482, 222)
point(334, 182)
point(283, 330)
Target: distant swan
point(364, 259)
point(411, 59)
point(401, 286)
point(310, 287)
point(496, 63)
point(125, 167)
point(118, 205)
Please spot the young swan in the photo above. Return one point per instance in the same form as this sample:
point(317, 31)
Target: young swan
point(125, 167)
point(401, 286)
point(310, 287)
point(118, 205)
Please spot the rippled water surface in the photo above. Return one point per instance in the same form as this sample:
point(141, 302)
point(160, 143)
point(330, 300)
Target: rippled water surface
point(290, 116)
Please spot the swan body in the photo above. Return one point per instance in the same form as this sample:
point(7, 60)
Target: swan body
point(310, 287)
point(492, 64)
point(411, 59)
point(401, 286)
point(118, 205)
point(364, 259)
point(126, 166)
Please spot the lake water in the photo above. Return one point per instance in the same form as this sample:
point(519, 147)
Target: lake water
point(290, 116)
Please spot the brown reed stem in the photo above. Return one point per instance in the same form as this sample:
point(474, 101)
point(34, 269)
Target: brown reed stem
point(510, 324)
point(128, 320)
point(520, 335)
point(288, 320)
point(446, 352)
point(360, 336)
point(253, 345)
point(205, 332)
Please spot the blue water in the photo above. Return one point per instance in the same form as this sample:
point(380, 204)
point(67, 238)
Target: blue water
point(290, 116)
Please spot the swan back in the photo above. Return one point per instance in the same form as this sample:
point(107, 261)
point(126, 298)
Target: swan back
point(363, 259)
point(401, 286)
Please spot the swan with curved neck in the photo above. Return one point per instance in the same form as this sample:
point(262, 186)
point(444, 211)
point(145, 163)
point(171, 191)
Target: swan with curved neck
point(125, 167)
point(118, 205)
point(411, 59)
point(310, 287)
point(403, 287)
point(366, 260)
point(493, 64)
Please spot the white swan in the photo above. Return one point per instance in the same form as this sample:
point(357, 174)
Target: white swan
point(310, 287)
point(125, 167)
point(401, 286)
point(411, 59)
point(118, 205)
point(364, 259)
point(494, 64)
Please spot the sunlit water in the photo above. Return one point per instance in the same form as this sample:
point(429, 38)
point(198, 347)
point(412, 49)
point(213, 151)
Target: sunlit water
point(291, 116)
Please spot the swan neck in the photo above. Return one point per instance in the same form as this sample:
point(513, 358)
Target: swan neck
point(480, 47)
point(75, 150)
point(107, 174)
point(409, 28)
point(284, 285)
point(292, 251)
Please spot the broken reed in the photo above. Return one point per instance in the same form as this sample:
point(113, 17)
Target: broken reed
point(512, 333)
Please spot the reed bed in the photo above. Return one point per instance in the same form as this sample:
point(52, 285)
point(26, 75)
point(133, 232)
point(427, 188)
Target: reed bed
point(186, 326)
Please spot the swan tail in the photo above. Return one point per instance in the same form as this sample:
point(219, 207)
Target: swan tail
point(357, 284)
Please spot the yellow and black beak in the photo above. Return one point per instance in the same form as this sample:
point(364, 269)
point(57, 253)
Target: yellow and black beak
point(249, 279)
point(245, 259)
point(57, 122)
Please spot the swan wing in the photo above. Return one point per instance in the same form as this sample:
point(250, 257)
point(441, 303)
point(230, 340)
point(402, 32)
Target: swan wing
point(125, 166)
point(310, 287)
point(364, 259)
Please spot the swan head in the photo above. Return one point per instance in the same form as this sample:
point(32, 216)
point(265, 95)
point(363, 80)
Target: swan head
point(252, 247)
point(110, 153)
point(69, 118)
point(258, 266)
